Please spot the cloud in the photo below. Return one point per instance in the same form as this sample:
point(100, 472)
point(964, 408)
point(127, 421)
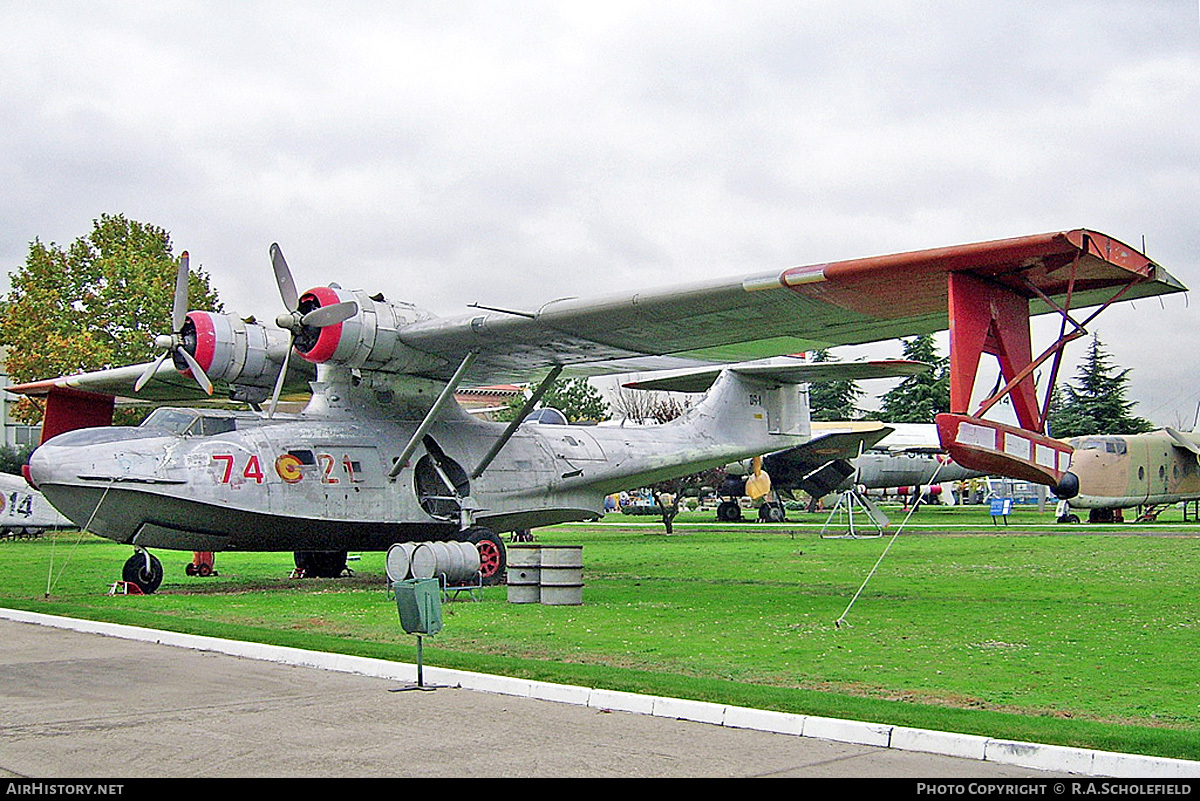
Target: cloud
point(511, 153)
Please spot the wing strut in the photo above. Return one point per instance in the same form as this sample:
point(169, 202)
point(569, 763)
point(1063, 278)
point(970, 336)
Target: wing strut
point(516, 421)
point(446, 397)
point(994, 318)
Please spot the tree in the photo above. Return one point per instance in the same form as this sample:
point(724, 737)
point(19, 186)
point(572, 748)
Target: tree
point(95, 304)
point(636, 405)
point(832, 400)
point(13, 458)
point(574, 397)
point(1097, 404)
point(920, 398)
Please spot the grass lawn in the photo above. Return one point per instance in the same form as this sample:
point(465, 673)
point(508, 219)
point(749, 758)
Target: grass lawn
point(1075, 635)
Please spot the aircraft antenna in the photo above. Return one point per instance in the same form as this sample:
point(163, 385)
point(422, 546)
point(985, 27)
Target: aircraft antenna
point(513, 312)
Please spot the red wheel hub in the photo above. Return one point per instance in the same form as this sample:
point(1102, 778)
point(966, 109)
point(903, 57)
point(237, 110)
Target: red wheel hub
point(489, 558)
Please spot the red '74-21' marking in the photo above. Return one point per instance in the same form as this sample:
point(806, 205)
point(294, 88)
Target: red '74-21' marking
point(252, 471)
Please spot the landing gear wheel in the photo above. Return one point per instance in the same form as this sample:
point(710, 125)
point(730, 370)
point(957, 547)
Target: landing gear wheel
point(321, 564)
point(144, 571)
point(771, 513)
point(729, 512)
point(492, 556)
point(1069, 518)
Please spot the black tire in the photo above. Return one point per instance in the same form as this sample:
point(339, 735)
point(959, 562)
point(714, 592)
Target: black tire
point(1069, 518)
point(772, 513)
point(321, 564)
point(145, 578)
point(729, 512)
point(493, 558)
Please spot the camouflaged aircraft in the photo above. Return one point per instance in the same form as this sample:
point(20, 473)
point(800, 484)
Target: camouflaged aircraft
point(1115, 472)
point(383, 454)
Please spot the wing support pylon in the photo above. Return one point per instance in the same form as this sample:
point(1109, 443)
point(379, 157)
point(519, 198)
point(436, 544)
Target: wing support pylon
point(987, 317)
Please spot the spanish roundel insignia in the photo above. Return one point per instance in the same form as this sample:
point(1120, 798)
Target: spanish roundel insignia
point(288, 468)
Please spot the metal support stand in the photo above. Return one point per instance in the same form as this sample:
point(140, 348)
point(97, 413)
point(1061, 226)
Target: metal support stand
point(420, 685)
point(846, 502)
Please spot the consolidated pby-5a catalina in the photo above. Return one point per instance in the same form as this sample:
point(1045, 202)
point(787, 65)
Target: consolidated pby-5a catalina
point(383, 454)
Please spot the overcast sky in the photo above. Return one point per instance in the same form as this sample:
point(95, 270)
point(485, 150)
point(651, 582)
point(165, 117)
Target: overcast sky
point(509, 153)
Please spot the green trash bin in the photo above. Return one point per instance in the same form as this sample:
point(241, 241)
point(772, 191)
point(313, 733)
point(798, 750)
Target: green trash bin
point(419, 602)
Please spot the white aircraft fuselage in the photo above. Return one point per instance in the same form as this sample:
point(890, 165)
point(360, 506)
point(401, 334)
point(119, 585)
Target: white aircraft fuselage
point(215, 481)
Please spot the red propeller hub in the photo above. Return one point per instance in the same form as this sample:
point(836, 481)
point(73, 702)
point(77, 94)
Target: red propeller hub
point(321, 347)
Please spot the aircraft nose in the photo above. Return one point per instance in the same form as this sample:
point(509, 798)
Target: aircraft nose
point(1068, 486)
point(35, 469)
point(27, 474)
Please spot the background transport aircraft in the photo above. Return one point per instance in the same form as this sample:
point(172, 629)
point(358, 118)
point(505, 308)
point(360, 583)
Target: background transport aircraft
point(23, 510)
point(1122, 471)
point(882, 456)
point(383, 454)
point(909, 456)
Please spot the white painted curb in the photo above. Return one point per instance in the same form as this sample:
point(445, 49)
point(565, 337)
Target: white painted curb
point(1027, 755)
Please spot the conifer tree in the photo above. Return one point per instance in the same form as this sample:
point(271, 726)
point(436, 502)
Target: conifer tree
point(920, 398)
point(1097, 402)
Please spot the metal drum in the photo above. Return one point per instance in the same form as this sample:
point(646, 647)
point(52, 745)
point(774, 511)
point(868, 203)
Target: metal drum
point(562, 575)
point(399, 561)
point(471, 561)
point(450, 561)
point(424, 561)
point(457, 561)
point(524, 574)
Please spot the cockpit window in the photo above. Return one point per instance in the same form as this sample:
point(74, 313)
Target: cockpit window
point(177, 421)
point(214, 425)
point(185, 422)
point(1107, 444)
point(546, 416)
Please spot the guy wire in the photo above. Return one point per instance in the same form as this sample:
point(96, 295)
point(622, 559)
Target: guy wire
point(838, 623)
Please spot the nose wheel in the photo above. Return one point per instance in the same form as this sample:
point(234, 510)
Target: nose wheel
point(144, 571)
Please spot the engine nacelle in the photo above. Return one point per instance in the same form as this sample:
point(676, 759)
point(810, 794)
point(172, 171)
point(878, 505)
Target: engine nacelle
point(369, 339)
point(232, 350)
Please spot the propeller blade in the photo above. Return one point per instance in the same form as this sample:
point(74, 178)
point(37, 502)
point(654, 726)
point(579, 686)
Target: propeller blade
point(150, 372)
point(279, 381)
point(283, 278)
point(179, 308)
point(197, 370)
point(330, 315)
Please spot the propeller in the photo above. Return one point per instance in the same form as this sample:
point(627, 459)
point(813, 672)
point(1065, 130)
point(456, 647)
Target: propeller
point(294, 321)
point(172, 344)
point(759, 483)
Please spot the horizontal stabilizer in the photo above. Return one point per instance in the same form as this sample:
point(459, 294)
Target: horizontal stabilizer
point(1183, 442)
point(794, 468)
point(785, 370)
point(827, 478)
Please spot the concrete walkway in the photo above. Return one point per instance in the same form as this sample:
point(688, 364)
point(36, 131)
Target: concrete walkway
point(83, 699)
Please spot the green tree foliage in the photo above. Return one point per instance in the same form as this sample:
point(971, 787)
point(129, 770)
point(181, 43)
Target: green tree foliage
point(1097, 403)
point(13, 458)
point(832, 400)
point(920, 398)
point(96, 303)
point(574, 397)
point(578, 400)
